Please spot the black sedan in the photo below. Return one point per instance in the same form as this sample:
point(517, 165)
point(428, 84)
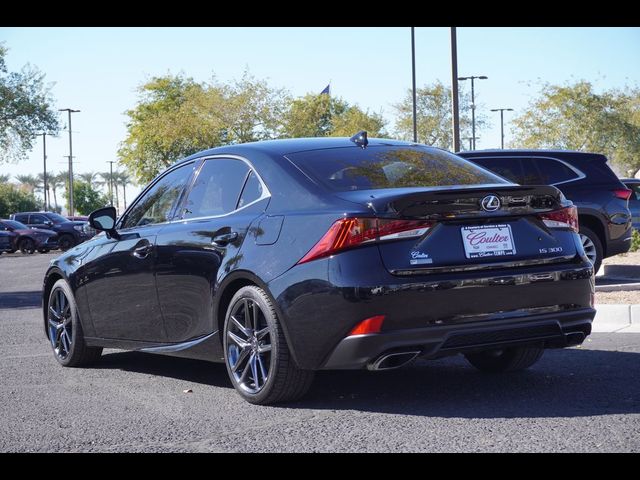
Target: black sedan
point(28, 240)
point(284, 257)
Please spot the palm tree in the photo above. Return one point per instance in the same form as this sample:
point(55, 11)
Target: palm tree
point(48, 195)
point(4, 178)
point(124, 179)
point(88, 177)
point(107, 180)
point(55, 182)
point(30, 182)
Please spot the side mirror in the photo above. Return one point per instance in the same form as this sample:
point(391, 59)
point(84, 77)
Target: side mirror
point(48, 223)
point(104, 219)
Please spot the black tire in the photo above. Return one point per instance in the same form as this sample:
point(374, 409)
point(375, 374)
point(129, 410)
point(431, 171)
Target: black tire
point(43, 250)
point(65, 242)
point(284, 380)
point(27, 245)
point(597, 245)
point(78, 354)
point(506, 360)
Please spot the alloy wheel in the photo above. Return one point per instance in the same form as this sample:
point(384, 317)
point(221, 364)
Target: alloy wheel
point(589, 248)
point(60, 325)
point(249, 346)
point(27, 246)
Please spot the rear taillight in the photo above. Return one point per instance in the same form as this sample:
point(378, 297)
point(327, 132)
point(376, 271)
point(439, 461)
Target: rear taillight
point(352, 232)
point(564, 218)
point(622, 193)
point(370, 325)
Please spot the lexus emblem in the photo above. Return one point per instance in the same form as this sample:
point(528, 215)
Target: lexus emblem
point(490, 203)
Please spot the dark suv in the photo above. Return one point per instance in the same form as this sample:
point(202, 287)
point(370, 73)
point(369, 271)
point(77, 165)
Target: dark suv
point(585, 179)
point(69, 233)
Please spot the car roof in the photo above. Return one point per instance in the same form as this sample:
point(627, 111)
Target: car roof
point(283, 147)
point(526, 151)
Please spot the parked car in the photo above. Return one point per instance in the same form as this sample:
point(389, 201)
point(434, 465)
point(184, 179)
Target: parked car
point(5, 242)
point(584, 178)
point(284, 257)
point(633, 184)
point(78, 218)
point(28, 240)
point(69, 233)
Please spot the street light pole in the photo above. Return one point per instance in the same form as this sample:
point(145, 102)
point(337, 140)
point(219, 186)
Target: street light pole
point(455, 119)
point(70, 191)
point(473, 104)
point(44, 175)
point(502, 110)
point(413, 74)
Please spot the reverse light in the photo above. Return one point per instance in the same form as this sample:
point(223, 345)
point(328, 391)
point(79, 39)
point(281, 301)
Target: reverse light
point(564, 218)
point(622, 193)
point(352, 232)
point(369, 325)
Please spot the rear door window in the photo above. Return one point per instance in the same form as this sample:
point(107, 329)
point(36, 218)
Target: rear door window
point(376, 167)
point(553, 171)
point(509, 168)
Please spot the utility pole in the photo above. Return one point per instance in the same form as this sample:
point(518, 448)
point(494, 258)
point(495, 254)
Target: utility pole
point(71, 211)
point(473, 104)
point(470, 140)
point(47, 200)
point(454, 91)
point(413, 72)
point(502, 110)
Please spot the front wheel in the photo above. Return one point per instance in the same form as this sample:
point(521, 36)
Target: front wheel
point(507, 359)
point(65, 330)
point(256, 354)
point(65, 242)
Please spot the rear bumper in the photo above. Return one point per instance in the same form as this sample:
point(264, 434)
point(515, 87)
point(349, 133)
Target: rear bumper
point(555, 330)
point(320, 302)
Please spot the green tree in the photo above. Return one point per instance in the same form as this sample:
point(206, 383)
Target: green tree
point(4, 178)
point(30, 182)
point(86, 199)
point(14, 200)
point(322, 116)
point(433, 112)
point(25, 110)
point(576, 117)
point(175, 117)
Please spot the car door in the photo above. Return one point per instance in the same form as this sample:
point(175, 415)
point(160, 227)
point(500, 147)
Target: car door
point(37, 220)
point(119, 273)
point(226, 196)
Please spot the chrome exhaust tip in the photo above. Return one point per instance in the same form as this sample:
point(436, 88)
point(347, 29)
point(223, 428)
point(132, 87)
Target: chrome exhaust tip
point(390, 361)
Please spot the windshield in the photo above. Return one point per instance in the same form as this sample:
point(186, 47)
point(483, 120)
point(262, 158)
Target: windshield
point(57, 218)
point(15, 225)
point(345, 169)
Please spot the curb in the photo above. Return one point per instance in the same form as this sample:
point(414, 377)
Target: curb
point(612, 318)
point(618, 286)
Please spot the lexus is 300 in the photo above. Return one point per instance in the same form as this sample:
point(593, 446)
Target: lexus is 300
point(284, 257)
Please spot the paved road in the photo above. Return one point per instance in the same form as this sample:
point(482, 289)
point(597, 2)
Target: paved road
point(580, 399)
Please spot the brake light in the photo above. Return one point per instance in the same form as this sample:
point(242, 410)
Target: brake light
point(370, 325)
point(353, 232)
point(564, 218)
point(622, 193)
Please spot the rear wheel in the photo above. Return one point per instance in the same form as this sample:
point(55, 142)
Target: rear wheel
point(27, 245)
point(592, 247)
point(507, 359)
point(256, 354)
point(43, 250)
point(65, 330)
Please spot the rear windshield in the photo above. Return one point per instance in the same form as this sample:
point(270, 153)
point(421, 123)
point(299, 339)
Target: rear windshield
point(346, 169)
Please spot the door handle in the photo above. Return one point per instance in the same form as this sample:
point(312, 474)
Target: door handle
point(225, 238)
point(142, 251)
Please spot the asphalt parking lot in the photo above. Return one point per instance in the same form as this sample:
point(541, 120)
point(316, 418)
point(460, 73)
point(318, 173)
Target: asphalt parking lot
point(576, 400)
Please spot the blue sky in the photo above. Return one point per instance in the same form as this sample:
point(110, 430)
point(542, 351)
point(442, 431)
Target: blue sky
point(97, 70)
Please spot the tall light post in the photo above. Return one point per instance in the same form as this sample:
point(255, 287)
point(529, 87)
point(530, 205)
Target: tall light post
point(470, 140)
point(413, 76)
point(473, 104)
point(455, 119)
point(502, 110)
point(44, 173)
point(71, 209)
